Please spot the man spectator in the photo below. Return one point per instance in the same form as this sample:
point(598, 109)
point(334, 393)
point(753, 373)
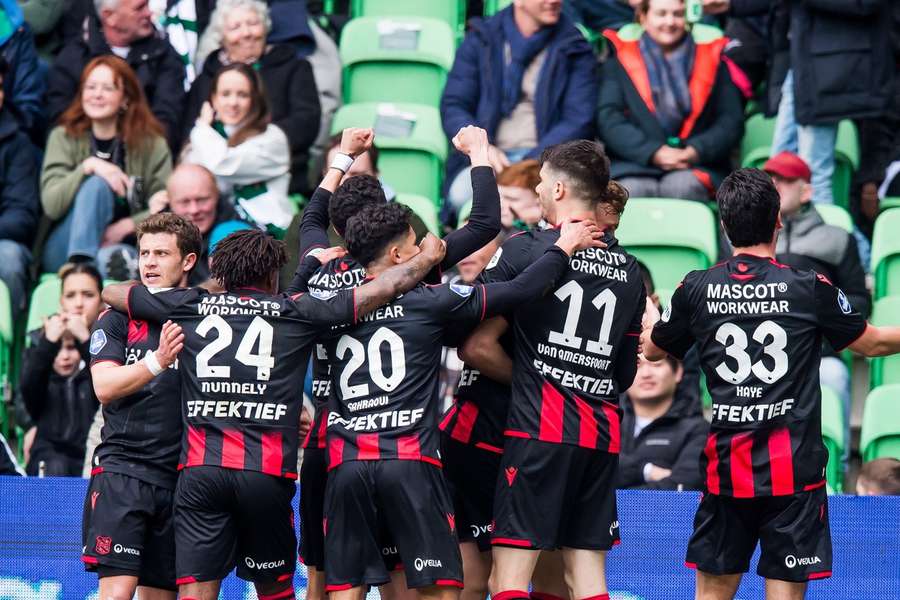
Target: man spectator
point(123, 28)
point(660, 444)
point(831, 61)
point(23, 81)
point(879, 477)
point(19, 201)
point(808, 243)
point(192, 193)
point(528, 77)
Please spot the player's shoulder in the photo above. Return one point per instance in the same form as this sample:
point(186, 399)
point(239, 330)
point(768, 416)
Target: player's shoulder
point(338, 273)
point(111, 317)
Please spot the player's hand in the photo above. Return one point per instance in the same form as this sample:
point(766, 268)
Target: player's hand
point(657, 473)
point(579, 235)
point(171, 341)
point(327, 255)
point(305, 422)
point(356, 140)
point(54, 327)
point(77, 326)
point(473, 142)
point(433, 248)
point(651, 314)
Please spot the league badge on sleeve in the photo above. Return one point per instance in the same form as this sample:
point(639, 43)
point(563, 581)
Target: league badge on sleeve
point(844, 303)
point(494, 259)
point(461, 290)
point(98, 341)
point(321, 294)
point(667, 314)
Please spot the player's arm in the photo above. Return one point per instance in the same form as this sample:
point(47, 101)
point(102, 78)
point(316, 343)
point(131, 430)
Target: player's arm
point(113, 381)
point(483, 350)
point(309, 265)
point(138, 302)
point(484, 221)
point(116, 295)
point(669, 334)
point(399, 278)
point(626, 355)
point(877, 341)
point(844, 327)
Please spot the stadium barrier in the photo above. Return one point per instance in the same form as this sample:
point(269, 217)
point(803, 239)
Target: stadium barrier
point(40, 533)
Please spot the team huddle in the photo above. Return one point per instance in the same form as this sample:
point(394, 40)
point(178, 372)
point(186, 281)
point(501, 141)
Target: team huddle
point(514, 486)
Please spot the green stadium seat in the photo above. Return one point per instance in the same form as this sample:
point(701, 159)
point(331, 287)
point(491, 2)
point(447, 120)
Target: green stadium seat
point(452, 12)
point(889, 202)
point(7, 341)
point(757, 143)
point(833, 436)
point(492, 7)
point(411, 144)
point(880, 435)
point(837, 216)
point(44, 302)
point(885, 369)
point(424, 208)
point(670, 236)
point(886, 254)
point(393, 59)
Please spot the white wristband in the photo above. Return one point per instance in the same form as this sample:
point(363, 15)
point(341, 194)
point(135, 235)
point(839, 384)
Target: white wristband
point(152, 364)
point(342, 162)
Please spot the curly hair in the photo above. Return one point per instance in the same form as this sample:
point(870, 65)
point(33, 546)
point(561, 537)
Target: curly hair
point(188, 237)
point(352, 196)
point(370, 232)
point(247, 258)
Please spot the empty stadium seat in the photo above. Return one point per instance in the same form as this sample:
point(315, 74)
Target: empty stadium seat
point(396, 59)
point(833, 436)
point(880, 435)
point(670, 236)
point(411, 144)
point(885, 369)
point(452, 12)
point(889, 202)
point(424, 208)
point(44, 302)
point(837, 216)
point(756, 146)
point(886, 253)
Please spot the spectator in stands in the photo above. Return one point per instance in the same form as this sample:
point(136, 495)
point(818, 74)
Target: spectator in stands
point(598, 15)
point(660, 445)
point(123, 29)
point(669, 112)
point(807, 242)
point(19, 202)
point(519, 204)
point(192, 193)
point(241, 27)
point(250, 157)
point(831, 61)
point(55, 385)
point(879, 477)
point(103, 163)
point(527, 76)
point(23, 81)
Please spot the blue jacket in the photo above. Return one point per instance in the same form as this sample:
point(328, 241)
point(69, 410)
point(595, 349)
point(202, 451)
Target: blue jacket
point(564, 100)
point(25, 83)
point(19, 193)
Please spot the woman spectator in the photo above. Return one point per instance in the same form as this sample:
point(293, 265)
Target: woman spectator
point(103, 162)
point(249, 156)
point(241, 27)
point(55, 384)
point(669, 112)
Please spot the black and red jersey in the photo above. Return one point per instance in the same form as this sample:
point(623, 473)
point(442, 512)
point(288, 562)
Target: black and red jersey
point(478, 414)
point(141, 435)
point(241, 380)
point(384, 374)
point(574, 346)
point(758, 326)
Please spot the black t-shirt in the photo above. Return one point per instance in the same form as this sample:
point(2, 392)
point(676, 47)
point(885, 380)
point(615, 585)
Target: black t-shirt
point(570, 345)
point(759, 325)
point(242, 369)
point(141, 434)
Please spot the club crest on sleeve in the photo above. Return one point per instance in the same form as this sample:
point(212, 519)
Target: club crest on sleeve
point(98, 341)
point(844, 303)
point(495, 259)
point(461, 290)
point(667, 314)
point(321, 294)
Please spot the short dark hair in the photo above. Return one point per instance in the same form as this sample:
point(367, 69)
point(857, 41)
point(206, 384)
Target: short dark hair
point(883, 473)
point(371, 231)
point(586, 166)
point(351, 197)
point(247, 258)
point(186, 233)
point(335, 142)
point(748, 207)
